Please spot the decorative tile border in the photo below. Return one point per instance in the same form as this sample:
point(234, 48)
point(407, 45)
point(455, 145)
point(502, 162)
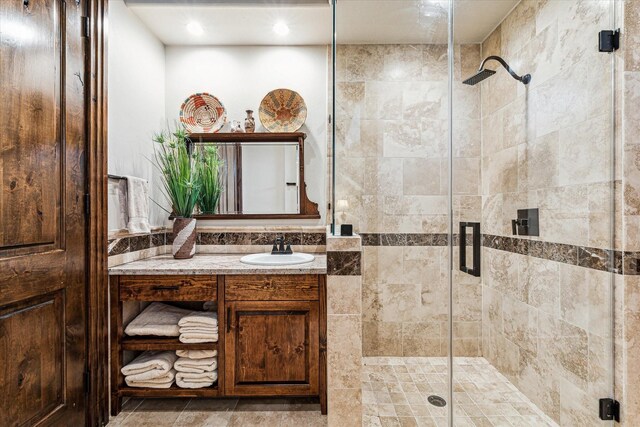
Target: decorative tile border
point(122, 245)
point(627, 263)
point(344, 263)
point(406, 239)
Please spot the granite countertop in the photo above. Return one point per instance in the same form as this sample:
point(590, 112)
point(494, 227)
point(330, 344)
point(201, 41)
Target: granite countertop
point(214, 264)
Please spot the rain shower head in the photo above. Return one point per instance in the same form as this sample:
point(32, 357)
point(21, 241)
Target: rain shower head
point(485, 74)
point(478, 77)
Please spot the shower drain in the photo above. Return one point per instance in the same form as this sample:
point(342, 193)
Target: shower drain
point(436, 401)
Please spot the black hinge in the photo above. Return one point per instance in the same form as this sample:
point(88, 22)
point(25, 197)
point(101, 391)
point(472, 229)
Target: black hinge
point(85, 27)
point(609, 409)
point(87, 382)
point(609, 40)
point(87, 204)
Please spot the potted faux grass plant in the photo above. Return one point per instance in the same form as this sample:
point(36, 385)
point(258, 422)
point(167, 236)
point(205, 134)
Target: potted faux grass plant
point(209, 167)
point(181, 187)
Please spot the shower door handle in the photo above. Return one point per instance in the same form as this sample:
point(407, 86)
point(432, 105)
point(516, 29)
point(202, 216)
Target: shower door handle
point(475, 227)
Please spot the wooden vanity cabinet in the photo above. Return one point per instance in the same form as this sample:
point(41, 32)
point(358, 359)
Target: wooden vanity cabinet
point(272, 333)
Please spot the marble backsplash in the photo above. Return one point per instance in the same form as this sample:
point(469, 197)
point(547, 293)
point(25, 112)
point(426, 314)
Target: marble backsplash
point(128, 248)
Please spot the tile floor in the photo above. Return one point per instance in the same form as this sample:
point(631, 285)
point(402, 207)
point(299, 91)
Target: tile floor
point(395, 391)
point(219, 413)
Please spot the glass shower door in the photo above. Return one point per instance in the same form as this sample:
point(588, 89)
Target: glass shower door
point(533, 167)
point(390, 151)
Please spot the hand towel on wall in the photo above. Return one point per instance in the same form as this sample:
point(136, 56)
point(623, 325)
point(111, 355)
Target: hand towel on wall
point(150, 365)
point(197, 354)
point(157, 319)
point(192, 380)
point(164, 381)
point(138, 205)
point(197, 366)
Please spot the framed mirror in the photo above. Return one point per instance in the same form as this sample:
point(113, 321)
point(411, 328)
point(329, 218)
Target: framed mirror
point(261, 175)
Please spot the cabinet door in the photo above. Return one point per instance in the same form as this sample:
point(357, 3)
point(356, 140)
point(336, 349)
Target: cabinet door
point(271, 348)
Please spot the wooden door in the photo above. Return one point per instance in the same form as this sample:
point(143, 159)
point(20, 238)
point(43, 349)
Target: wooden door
point(271, 348)
point(42, 221)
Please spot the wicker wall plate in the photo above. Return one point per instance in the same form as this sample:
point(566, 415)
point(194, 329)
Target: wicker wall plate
point(203, 113)
point(282, 110)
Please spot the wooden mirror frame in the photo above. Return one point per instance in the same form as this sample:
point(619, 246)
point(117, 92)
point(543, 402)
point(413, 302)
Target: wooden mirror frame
point(308, 209)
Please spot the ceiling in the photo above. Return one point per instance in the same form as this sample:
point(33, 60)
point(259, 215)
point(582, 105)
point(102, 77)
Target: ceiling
point(250, 22)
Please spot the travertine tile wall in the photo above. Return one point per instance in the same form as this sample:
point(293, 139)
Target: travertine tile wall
point(547, 324)
point(344, 331)
point(391, 154)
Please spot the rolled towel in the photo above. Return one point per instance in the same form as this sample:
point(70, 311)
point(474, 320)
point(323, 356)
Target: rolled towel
point(157, 319)
point(200, 319)
point(192, 337)
point(191, 380)
point(150, 365)
point(210, 306)
point(196, 366)
point(197, 354)
point(164, 381)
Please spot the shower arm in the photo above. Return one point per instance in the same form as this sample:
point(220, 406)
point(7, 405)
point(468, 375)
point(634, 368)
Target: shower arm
point(524, 79)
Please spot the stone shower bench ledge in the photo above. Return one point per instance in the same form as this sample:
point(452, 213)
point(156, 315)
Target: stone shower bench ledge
point(213, 264)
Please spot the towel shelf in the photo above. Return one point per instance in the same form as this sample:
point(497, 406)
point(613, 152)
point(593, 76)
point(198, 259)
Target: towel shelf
point(162, 343)
point(173, 391)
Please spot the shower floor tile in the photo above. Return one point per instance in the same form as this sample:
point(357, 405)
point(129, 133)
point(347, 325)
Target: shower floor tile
point(395, 392)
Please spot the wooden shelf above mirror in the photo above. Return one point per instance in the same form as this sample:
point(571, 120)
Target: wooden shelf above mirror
point(306, 209)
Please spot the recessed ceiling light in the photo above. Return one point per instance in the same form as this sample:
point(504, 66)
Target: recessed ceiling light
point(281, 28)
point(195, 28)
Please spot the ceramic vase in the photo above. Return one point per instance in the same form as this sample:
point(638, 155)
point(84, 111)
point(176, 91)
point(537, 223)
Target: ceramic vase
point(249, 122)
point(184, 238)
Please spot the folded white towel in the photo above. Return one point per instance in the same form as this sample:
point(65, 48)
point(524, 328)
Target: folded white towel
point(197, 354)
point(150, 365)
point(193, 337)
point(162, 382)
point(198, 330)
point(210, 305)
point(138, 205)
point(197, 366)
point(191, 380)
point(157, 319)
point(200, 318)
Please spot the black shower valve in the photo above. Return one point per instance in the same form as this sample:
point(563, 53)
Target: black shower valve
point(527, 223)
point(519, 224)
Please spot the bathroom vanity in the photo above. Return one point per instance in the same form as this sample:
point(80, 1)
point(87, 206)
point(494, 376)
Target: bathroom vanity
point(271, 320)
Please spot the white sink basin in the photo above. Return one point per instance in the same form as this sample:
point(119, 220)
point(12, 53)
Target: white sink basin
point(275, 260)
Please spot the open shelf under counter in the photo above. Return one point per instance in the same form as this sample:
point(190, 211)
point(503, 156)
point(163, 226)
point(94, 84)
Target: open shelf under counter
point(139, 343)
point(173, 391)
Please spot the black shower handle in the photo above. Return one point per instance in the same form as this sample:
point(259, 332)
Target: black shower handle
point(475, 226)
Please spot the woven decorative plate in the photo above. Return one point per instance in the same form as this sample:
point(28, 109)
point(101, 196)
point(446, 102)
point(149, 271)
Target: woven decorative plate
point(283, 110)
point(203, 113)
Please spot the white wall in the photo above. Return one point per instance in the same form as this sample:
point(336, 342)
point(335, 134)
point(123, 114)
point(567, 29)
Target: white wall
point(240, 76)
point(136, 79)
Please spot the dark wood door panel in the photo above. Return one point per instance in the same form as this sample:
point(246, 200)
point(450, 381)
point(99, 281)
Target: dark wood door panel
point(271, 348)
point(31, 96)
point(43, 245)
point(31, 350)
